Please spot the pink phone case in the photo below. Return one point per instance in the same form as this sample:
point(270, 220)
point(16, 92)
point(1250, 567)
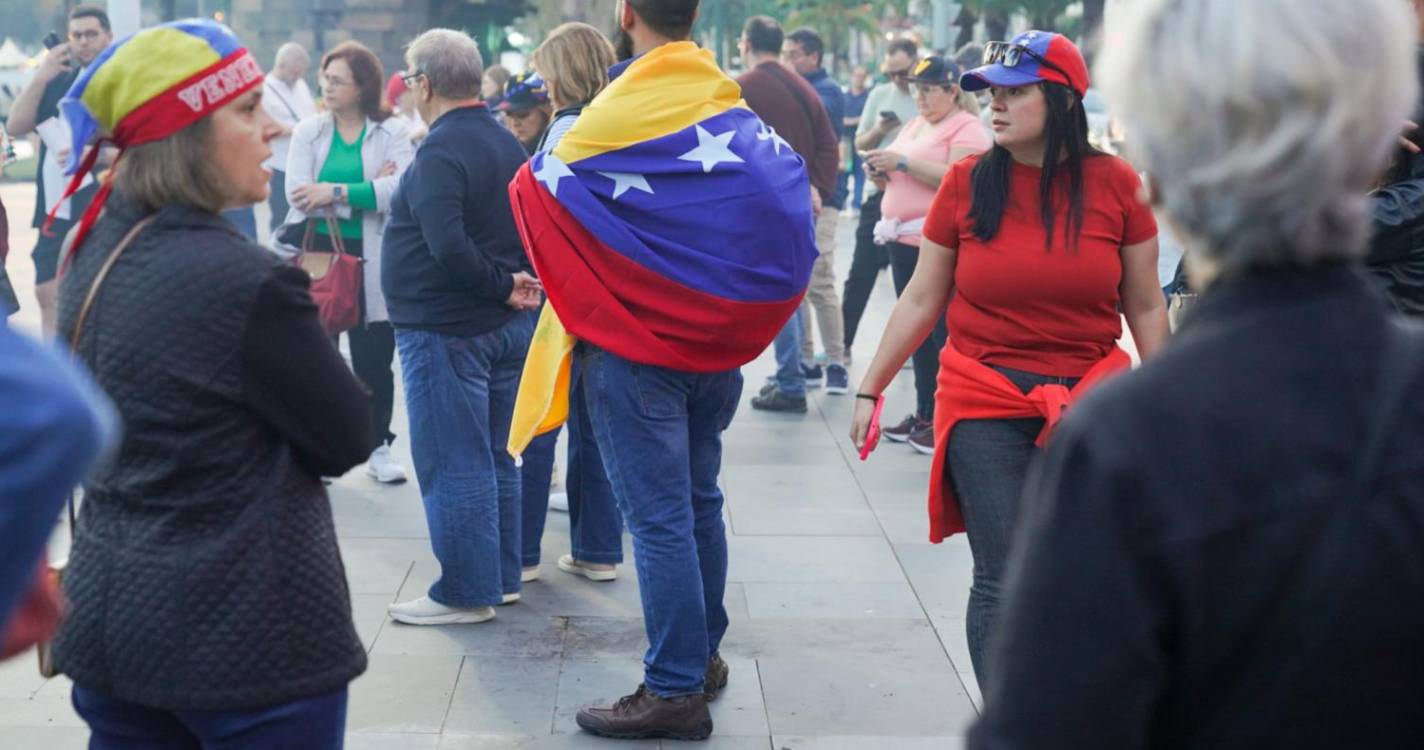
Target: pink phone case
point(872, 435)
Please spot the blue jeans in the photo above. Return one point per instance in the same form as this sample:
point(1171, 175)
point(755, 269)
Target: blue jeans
point(661, 435)
point(595, 523)
point(459, 393)
point(317, 723)
point(988, 463)
point(787, 347)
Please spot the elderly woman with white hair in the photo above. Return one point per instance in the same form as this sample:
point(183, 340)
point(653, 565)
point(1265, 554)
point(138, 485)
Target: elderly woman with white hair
point(1223, 548)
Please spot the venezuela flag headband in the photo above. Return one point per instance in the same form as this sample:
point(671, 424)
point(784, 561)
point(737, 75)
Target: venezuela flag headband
point(146, 87)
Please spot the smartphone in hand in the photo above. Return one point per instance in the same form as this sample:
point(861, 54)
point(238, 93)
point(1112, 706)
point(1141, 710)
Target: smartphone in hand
point(889, 116)
point(872, 434)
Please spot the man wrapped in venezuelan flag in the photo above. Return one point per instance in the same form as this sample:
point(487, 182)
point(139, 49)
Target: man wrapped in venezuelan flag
point(673, 233)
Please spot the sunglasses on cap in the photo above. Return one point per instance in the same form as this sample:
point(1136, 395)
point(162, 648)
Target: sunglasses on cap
point(1010, 55)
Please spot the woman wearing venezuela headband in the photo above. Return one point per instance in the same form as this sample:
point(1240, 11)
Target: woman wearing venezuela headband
point(209, 606)
point(1034, 246)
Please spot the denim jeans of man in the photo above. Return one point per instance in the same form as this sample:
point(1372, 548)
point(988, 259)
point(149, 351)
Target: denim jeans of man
point(988, 463)
point(595, 523)
point(661, 435)
point(316, 723)
point(459, 394)
point(787, 347)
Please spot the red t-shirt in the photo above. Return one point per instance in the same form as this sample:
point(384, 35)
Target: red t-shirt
point(1018, 305)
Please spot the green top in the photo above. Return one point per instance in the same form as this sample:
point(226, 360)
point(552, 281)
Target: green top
point(343, 167)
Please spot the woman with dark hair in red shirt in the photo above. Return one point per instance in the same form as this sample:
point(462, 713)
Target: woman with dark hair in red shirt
point(1035, 257)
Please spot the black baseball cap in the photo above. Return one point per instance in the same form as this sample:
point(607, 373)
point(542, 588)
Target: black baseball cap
point(935, 70)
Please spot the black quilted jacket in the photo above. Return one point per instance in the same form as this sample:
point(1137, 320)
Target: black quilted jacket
point(205, 572)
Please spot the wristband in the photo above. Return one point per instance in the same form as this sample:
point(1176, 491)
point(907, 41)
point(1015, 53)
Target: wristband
point(867, 397)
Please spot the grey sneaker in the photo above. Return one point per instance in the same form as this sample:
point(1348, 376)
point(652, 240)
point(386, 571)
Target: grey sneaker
point(778, 400)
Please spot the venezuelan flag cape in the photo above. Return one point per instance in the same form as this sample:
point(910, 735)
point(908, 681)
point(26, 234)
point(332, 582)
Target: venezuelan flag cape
point(670, 226)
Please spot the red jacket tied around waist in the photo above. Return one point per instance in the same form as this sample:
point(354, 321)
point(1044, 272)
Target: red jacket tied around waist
point(969, 389)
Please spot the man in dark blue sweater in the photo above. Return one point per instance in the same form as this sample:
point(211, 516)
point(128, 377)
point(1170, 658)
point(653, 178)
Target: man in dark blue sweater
point(459, 291)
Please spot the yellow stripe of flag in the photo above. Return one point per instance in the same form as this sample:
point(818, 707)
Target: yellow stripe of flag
point(670, 88)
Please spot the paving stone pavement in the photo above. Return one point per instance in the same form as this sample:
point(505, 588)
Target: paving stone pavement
point(847, 626)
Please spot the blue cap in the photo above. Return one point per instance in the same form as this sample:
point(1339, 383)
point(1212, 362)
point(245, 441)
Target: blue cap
point(1065, 65)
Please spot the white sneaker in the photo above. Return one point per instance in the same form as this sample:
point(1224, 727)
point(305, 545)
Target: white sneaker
point(568, 564)
point(384, 469)
point(529, 574)
point(559, 501)
point(427, 611)
point(510, 598)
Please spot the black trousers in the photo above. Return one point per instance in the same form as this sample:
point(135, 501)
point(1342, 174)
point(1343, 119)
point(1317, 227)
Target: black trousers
point(926, 358)
point(865, 267)
point(373, 355)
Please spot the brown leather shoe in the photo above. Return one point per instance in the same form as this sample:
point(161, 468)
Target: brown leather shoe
point(643, 715)
point(717, 672)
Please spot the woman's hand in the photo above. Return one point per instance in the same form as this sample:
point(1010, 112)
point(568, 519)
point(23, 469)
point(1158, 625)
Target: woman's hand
point(313, 195)
point(860, 422)
point(883, 160)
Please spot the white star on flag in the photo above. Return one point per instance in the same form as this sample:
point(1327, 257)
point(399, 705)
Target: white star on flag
point(769, 133)
point(625, 181)
point(551, 172)
point(711, 149)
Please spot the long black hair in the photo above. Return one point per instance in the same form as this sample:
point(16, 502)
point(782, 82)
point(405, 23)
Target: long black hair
point(1066, 133)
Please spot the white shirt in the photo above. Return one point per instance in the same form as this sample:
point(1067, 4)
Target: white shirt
point(288, 105)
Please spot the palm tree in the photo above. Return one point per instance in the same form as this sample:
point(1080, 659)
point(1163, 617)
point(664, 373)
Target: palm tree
point(835, 20)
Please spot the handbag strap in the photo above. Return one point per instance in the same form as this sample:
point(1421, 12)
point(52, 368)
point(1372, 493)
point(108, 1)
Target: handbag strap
point(103, 274)
point(333, 230)
point(88, 305)
point(1330, 564)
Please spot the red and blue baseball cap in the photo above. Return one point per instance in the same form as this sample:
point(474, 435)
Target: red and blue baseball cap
point(1031, 57)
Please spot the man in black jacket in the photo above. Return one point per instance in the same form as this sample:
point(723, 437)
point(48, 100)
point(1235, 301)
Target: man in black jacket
point(458, 289)
point(1396, 254)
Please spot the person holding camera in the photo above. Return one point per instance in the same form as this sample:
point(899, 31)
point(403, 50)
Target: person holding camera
point(89, 33)
point(887, 108)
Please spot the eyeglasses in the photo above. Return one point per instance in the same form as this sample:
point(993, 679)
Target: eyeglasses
point(85, 36)
point(1010, 55)
point(409, 78)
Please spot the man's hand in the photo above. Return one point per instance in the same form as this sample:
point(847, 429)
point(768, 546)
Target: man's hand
point(816, 203)
point(55, 63)
point(388, 169)
point(312, 196)
point(527, 294)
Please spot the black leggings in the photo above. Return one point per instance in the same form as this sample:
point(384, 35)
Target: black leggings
point(865, 267)
point(926, 358)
